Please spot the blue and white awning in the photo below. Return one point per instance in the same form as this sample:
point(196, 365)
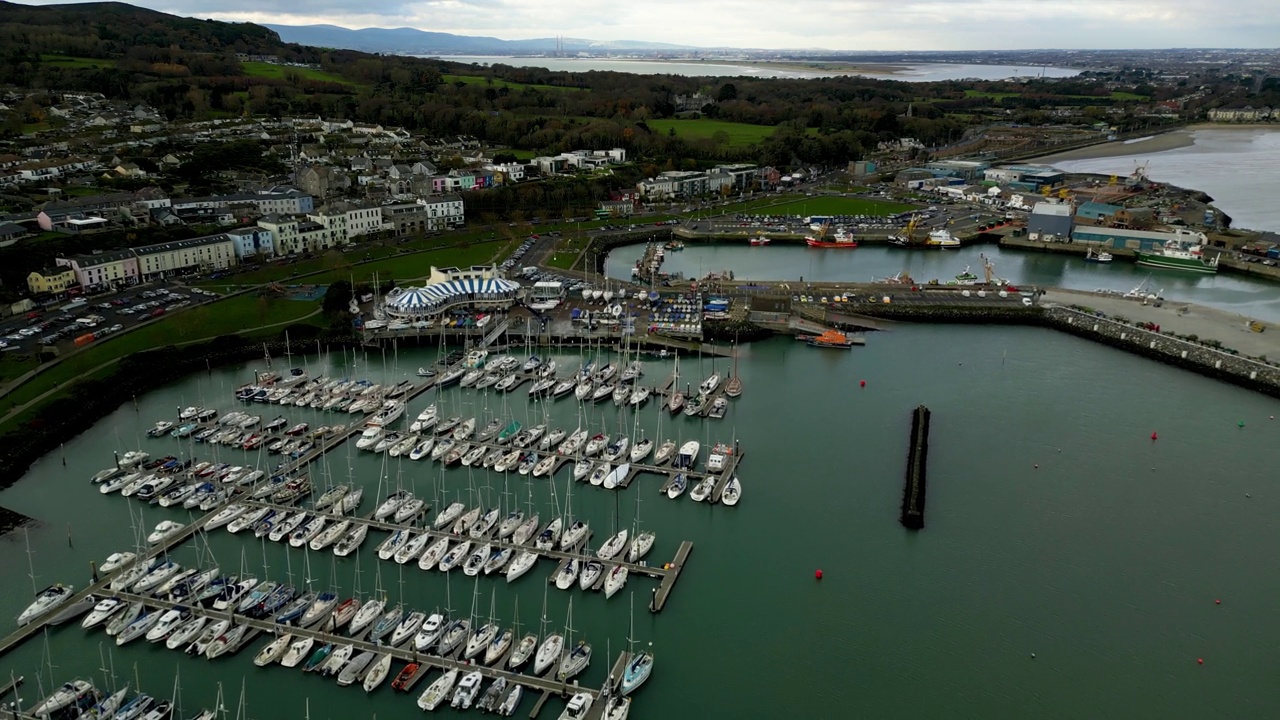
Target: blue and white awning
point(422, 300)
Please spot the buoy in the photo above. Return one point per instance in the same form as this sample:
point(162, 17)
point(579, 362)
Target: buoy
point(1241, 423)
point(1199, 661)
point(862, 383)
point(1033, 656)
point(817, 574)
point(1153, 436)
point(1217, 602)
point(1036, 466)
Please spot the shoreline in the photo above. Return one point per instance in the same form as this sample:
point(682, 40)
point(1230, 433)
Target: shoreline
point(1177, 139)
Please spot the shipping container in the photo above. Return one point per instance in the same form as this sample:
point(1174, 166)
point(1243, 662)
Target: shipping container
point(84, 339)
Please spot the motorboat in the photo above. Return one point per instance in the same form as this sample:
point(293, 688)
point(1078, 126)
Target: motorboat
point(436, 693)
point(319, 658)
point(687, 458)
point(703, 489)
point(297, 651)
point(355, 669)
point(467, 690)
point(124, 619)
point(406, 674)
point(370, 438)
point(617, 476)
point(615, 580)
point(46, 600)
point(425, 420)
point(678, 485)
point(613, 546)
point(489, 700)
point(138, 628)
point(115, 561)
point(164, 530)
point(523, 563)
point(732, 492)
point(568, 574)
point(429, 634)
point(102, 611)
point(590, 575)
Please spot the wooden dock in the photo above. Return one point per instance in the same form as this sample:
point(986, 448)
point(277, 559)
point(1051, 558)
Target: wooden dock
point(676, 566)
point(407, 655)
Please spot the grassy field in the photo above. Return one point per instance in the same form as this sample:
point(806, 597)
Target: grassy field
point(75, 62)
point(1001, 95)
point(500, 83)
point(738, 134)
point(277, 72)
point(224, 317)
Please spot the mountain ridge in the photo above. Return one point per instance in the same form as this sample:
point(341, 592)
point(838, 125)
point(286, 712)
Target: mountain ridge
point(412, 41)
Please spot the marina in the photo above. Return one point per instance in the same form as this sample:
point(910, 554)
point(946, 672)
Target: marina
point(789, 469)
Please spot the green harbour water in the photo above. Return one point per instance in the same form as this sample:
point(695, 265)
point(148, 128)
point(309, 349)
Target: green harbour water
point(1104, 561)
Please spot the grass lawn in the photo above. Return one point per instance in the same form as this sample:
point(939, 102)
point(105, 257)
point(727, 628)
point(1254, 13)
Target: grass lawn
point(224, 317)
point(412, 266)
point(75, 62)
point(500, 83)
point(278, 72)
point(524, 154)
point(739, 134)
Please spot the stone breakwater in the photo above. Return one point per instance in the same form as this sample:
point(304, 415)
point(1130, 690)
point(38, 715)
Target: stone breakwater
point(1195, 356)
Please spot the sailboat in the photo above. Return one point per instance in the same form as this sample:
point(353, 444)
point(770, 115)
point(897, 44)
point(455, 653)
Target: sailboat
point(552, 644)
point(523, 650)
point(733, 388)
point(577, 659)
point(640, 664)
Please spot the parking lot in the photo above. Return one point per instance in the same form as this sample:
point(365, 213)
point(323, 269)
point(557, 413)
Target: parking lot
point(62, 324)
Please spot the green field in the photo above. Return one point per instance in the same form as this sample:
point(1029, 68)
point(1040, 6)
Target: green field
point(500, 83)
point(278, 72)
point(823, 205)
point(735, 134)
point(75, 62)
point(1112, 96)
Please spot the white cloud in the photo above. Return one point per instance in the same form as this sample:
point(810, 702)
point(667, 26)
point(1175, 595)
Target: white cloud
point(798, 24)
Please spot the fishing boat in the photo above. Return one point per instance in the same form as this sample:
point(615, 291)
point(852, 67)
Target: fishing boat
point(1098, 256)
point(942, 239)
point(760, 240)
point(1175, 255)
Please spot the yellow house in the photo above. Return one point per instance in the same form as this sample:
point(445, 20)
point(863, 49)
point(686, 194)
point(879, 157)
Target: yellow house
point(52, 280)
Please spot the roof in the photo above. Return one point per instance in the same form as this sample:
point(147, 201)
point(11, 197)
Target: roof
point(8, 229)
point(1052, 209)
point(182, 244)
point(1097, 208)
point(102, 258)
point(423, 298)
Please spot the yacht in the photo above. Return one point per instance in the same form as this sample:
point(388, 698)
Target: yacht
point(407, 628)
point(602, 470)
point(167, 623)
point(454, 556)
point(679, 484)
point(523, 651)
point(615, 580)
point(185, 634)
point(468, 687)
point(641, 450)
point(732, 492)
point(548, 653)
point(613, 546)
point(640, 395)
point(636, 672)
point(319, 610)
point(688, 456)
point(138, 628)
point(354, 669)
point(273, 651)
point(411, 550)
point(591, 572)
point(550, 535)
point(703, 489)
point(522, 564)
point(525, 530)
point(575, 661)
point(429, 634)
point(72, 693)
point(436, 693)
point(665, 450)
point(391, 504)
point(370, 438)
point(479, 640)
point(102, 611)
point(448, 515)
point(425, 420)
point(616, 476)
point(568, 574)
point(377, 673)
point(46, 600)
point(575, 534)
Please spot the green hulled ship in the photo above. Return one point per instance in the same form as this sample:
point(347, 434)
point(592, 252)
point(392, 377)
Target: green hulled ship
point(1176, 257)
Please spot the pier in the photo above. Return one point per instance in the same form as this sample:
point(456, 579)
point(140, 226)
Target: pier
point(913, 493)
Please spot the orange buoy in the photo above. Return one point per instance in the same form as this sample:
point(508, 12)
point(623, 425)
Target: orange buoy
point(862, 383)
point(1153, 436)
point(817, 574)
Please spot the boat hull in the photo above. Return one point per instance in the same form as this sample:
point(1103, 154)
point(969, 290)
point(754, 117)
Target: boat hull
point(1156, 260)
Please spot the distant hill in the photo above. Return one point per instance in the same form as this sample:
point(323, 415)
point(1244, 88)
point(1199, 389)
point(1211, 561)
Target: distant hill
point(112, 29)
point(410, 41)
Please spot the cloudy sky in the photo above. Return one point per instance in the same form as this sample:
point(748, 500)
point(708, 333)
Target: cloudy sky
point(832, 24)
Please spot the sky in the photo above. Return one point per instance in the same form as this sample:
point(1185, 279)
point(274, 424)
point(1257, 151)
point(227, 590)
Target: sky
point(792, 24)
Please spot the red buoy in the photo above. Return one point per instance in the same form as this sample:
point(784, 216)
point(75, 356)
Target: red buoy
point(1199, 661)
point(1217, 602)
point(817, 574)
point(1153, 436)
point(862, 383)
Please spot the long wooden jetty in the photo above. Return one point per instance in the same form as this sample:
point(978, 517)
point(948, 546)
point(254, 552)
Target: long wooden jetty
point(913, 493)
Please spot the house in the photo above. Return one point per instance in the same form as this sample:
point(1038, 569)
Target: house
point(252, 241)
point(180, 257)
point(323, 182)
point(350, 220)
point(1248, 113)
point(427, 215)
point(130, 170)
point(51, 281)
point(284, 233)
point(115, 268)
point(423, 167)
point(11, 232)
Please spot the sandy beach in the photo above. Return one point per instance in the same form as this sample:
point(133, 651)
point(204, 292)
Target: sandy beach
point(1180, 138)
